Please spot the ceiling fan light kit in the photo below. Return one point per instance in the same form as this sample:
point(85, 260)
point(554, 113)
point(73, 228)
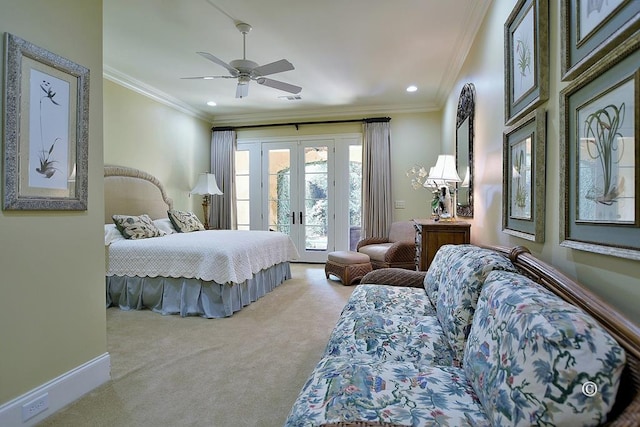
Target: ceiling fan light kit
point(245, 70)
point(243, 27)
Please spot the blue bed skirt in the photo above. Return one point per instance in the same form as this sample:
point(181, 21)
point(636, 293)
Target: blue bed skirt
point(192, 297)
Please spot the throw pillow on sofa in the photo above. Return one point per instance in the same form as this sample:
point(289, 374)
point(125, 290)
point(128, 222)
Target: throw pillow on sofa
point(460, 288)
point(530, 354)
point(439, 268)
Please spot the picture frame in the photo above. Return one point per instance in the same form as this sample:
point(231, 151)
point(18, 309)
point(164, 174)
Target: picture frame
point(600, 156)
point(591, 29)
point(524, 177)
point(526, 58)
point(46, 139)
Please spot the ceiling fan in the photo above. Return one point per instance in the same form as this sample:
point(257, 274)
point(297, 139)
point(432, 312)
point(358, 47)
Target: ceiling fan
point(245, 70)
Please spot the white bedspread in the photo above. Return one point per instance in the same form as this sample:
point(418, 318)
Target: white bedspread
point(221, 256)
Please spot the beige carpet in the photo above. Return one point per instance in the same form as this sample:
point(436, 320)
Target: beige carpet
point(244, 370)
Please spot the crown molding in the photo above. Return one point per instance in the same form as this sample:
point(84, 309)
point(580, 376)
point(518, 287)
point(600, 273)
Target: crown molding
point(149, 91)
point(473, 20)
point(325, 113)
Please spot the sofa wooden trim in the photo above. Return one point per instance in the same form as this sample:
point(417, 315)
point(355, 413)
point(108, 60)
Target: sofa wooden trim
point(626, 411)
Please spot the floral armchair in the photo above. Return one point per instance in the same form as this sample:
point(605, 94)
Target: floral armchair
point(397, 250)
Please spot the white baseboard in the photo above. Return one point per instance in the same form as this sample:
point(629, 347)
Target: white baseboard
point(59, 392)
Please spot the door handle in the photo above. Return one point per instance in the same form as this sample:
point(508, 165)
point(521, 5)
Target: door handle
point(293, 216)
point(300, 217)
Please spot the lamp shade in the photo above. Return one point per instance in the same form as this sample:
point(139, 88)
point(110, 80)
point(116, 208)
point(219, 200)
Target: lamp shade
point(445, 169)
point(206, 185)
point(465, 181)
point(433, 183)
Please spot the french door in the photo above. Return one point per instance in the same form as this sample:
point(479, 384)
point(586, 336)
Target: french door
point(299, 192)
point(306, 187)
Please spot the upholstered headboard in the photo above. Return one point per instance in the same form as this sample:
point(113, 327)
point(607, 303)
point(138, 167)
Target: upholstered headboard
point(129, 191)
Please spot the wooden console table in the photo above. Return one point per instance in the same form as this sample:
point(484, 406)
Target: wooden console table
point(430, 235)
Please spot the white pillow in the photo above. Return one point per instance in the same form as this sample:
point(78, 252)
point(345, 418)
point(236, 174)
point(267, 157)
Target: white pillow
point(165, 224)
point(111, 234)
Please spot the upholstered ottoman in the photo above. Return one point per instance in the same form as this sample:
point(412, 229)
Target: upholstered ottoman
point(349, 266)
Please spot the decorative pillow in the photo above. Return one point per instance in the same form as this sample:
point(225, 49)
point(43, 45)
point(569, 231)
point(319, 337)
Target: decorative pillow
point(164, 224)
point(111, 234)
point(533, 358)
point(136, 227)
point(440, 267)
point(460, 287)
point(185, 222)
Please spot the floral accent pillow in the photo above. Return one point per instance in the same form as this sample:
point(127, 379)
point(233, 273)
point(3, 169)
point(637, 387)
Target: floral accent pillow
point(185, 222)
point(136, 227)
point(439, 268)
point(460, 288)
point(533, 358)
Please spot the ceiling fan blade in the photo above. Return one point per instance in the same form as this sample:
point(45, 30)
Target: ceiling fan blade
point(276, 84)
point(274, 67)
point(219, 61)
point(242, 90)
point(207, 77)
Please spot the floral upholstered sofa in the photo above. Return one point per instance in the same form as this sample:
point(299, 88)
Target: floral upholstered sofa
point(487, 337)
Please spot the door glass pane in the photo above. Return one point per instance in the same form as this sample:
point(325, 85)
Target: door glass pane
point(242, 162)
point(242, 190)
point(355, 195)
point(316, 198)
point(243, 212)
point(279, 191)
point(242, 187)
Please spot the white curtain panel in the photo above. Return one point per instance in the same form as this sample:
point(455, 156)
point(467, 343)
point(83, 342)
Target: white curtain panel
point(223, 164)
point(376, 179)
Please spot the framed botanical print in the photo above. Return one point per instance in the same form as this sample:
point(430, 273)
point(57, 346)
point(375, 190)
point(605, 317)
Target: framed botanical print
point(46, 102)
point(590, 29)
point(526, 53)
point(524, 177)
point(600, 151)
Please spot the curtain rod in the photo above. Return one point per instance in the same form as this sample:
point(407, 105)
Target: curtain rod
point(298, 124)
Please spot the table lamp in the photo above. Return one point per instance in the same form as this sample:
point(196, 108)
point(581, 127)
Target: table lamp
point(206, 187)
point(443, 173)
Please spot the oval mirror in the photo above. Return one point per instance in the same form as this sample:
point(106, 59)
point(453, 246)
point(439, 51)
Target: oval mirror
point(464, 150)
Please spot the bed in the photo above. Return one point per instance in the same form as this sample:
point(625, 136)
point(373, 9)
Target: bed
point(211, 273)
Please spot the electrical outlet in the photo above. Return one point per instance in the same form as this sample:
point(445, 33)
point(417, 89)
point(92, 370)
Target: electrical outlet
point(36, 406)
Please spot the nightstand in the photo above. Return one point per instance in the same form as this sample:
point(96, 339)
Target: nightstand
point(430, 235)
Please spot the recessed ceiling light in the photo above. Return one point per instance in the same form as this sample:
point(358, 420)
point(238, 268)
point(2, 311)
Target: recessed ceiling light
point(412, 88)
point(211, 103)
point(207, 78)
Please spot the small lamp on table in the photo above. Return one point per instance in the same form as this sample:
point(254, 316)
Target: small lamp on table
point(206, 187)
point(443, 173)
